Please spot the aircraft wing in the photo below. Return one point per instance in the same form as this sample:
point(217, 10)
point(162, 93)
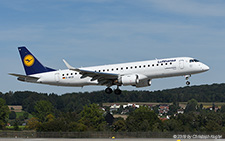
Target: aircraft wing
point(103, 78)
point(24, 77)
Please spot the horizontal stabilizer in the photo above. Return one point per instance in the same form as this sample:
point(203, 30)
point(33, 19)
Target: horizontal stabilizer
point(24, 77)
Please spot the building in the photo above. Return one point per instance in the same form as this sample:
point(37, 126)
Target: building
point(114, 107)
point(163, 109)
point(15, 108)
point(131, 105)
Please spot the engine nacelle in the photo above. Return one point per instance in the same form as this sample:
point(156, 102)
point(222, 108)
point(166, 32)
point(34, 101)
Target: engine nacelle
point(144, 83)
point(129, 79)
point(137, 80)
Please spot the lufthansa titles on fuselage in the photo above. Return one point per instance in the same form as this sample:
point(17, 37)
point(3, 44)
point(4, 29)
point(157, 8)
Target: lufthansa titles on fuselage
point(167, 61)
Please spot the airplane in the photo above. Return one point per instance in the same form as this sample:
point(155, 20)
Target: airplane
point(137, 74)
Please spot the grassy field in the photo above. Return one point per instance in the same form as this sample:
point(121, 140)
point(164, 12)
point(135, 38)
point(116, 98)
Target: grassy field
point(18, 114)
point(207, 105)
point(12, 127)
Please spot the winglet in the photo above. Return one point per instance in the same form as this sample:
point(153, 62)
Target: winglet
point(68, 65)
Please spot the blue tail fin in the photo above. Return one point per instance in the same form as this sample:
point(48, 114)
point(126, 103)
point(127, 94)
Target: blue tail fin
point(30, 63)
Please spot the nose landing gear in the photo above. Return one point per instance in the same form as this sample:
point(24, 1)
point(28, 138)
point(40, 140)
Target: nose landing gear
point(188, 83)
point(187, 77)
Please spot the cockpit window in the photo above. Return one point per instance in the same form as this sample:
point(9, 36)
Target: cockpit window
point(193, 60)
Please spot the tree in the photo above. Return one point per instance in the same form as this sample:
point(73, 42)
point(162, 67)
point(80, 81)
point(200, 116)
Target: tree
point(142, 119)
point(119, 125)
point(50, 117)
point(12, 115)
point(4, 113)
point(173, 108)
point(92, 117)
point(212, 126)
point(222, 110)
point(173, 125)
point(192, 106)
point(201, 106)
point(32, 123)
point(42, 109)
point(26, 115)
point(109, 118)
point(16, 124)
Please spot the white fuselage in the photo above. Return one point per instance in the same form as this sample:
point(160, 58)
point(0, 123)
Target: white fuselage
point(152, 69)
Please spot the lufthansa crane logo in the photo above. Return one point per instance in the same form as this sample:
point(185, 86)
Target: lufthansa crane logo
point(28, 60)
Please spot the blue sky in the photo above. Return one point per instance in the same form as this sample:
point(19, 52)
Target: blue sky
point(98, 32)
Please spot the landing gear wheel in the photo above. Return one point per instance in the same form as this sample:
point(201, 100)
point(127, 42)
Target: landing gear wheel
point(108, 90)
point(117, 91)
point(188, 83)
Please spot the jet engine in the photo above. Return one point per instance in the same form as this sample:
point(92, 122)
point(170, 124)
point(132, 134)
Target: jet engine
point(144, 83)
point(129, 79)
point(137, 80)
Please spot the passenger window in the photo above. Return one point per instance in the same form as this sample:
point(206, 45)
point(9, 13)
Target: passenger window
point(135, 66)
point(121, 68)
point(153, 65)
point(71, 73)
point(131, 67)
point(112, 69)
point(139, 66)
point(166, 64)
point(107, 69)
point(144, 66)
point(157, 65)
point(126, 67)
point(161, 64)
point(117, 69)
point(62, 74)
point(149, 65)
point(170, 63)
point(67, 74)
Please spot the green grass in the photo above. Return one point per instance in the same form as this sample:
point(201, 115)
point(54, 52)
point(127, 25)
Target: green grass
point(18, 114)
point(12, 127)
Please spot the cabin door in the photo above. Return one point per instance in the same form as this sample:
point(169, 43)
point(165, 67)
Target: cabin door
point(57, 77)
point(181, 64)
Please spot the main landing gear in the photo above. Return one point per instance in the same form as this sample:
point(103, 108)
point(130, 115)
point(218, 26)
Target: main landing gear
point(187, 77)
point(109, 90)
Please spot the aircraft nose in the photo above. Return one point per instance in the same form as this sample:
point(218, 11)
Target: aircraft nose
point(205, 67)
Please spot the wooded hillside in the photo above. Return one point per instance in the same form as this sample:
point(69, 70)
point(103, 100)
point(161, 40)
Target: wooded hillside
point(75, 101)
